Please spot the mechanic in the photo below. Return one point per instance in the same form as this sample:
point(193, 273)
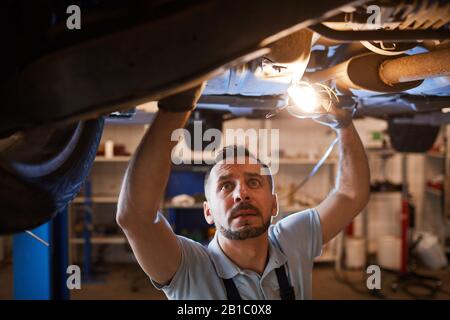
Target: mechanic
point(248, 258)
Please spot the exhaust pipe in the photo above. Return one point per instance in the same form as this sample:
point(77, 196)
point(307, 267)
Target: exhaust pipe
point(416, 67)
point(379, 73)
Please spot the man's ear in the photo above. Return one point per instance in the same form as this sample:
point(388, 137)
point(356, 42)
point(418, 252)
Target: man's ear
point(207, 213)
point(274, 205)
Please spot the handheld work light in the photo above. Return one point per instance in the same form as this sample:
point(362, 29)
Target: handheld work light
point(306, 100)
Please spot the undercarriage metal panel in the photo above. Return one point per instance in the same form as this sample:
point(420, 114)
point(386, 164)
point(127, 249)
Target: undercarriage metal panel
point(400, 104)
point(156, 58)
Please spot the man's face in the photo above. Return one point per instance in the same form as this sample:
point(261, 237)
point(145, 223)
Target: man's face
point(240, 201)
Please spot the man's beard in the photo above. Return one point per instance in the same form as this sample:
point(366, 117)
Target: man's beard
point(248, 232)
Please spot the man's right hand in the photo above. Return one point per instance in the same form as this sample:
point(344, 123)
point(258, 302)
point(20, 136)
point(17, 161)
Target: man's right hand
point(183, 101)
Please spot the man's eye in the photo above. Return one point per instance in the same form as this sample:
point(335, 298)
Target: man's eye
point(254, 183)
point(226, 186)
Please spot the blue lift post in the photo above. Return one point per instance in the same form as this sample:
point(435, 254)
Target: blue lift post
point(32, 274)
point(39, 271)
point(60, 250)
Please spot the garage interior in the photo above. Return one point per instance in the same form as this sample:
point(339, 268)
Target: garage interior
point(395, 81)
point(96, 243)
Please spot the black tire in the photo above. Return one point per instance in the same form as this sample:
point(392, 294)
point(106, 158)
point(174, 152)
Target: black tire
point(407, 137)
point(33, 196)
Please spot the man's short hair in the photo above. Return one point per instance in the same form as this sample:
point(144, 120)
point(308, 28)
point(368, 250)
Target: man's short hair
point(235, 152)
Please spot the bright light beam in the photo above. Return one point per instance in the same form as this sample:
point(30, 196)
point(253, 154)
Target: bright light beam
point(304, 97)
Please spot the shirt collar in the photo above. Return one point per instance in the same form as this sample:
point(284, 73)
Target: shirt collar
point(226, 268)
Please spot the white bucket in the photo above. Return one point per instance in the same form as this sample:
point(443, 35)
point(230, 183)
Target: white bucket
point(389, 252)
point(355, 253)
point(431, 252)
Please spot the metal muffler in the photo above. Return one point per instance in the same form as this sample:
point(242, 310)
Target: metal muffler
point(379, 73)
point(416, 67)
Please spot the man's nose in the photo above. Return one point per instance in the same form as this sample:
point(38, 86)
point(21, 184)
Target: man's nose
point(241, 193)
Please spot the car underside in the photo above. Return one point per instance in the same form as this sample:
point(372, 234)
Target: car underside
point(387, 59)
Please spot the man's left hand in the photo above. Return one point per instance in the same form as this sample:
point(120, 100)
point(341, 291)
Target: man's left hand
point(336, 118)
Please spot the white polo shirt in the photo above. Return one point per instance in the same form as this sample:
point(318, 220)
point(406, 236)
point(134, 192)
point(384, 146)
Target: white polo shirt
point(295, 241)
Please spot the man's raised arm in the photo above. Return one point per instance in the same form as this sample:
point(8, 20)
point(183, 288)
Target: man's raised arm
point(150, 236)
point(351, 192)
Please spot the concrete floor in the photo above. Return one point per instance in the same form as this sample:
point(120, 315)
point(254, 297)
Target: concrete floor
point(123, 282)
